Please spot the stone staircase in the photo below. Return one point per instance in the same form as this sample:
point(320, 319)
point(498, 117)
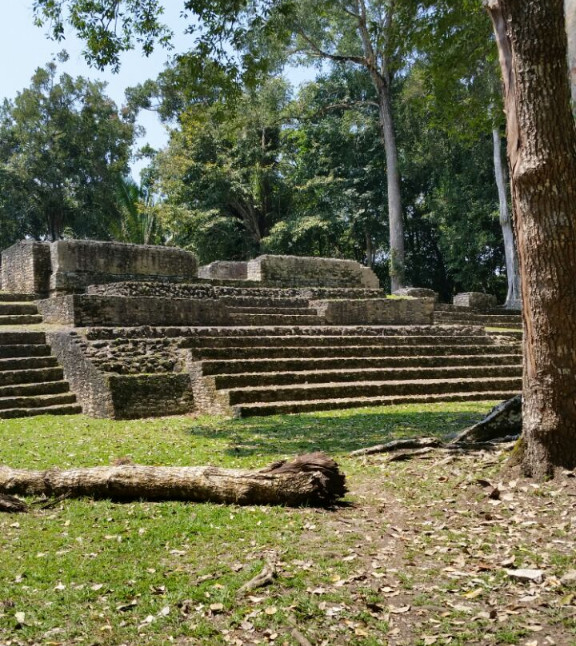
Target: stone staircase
point(18, 309)
point(250, 371)
point(31, 381)
point(299, 371)
point(494, 318)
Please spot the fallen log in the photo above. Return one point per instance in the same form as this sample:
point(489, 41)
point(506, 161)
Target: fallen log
point(313, 479)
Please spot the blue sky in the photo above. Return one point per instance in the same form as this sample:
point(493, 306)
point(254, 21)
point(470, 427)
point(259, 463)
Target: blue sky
point(24, 47)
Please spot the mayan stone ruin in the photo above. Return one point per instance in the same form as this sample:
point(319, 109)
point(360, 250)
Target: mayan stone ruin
point(128, 331)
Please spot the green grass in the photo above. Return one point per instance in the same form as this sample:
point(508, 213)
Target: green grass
point(41, 442)
point(96, 572)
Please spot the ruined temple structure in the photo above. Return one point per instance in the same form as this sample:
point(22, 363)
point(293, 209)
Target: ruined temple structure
point(128, 331)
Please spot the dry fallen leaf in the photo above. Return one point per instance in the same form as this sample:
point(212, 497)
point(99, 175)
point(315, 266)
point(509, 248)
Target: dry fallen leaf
point(474, 593)
point(535, 576)
point(396, 610)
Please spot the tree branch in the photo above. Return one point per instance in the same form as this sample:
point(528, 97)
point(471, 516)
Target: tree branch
point(317, 51)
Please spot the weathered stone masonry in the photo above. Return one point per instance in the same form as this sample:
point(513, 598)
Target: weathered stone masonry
point(141, 335)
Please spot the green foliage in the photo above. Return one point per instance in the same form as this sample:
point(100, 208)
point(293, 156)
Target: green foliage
point(139, 221)
point(222, 174)
point(336, 171)
point(63, 148)
point(249, 170)
point(108, 27)
point(454, 240)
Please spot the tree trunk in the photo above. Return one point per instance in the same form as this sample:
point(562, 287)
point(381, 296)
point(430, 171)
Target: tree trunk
point(396, 224)
point(513, 297)
point(309, 479)
point(541, 133)
point(570, 10)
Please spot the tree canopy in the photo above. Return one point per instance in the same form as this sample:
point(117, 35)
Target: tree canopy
point(63, 147)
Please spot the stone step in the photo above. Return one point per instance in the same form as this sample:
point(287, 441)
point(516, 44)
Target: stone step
point(67, 409)
point(206, 288)
point(232, 381)
point(40, 388)
point(36, 401)
point(11, 309)
point(22, 319)
point(331, 341)
point(478, 319)
point(514, 335)
point(22, 338)
point(23, 363)
point(274, 319)
point(234, 366)
point(11, 377)
point(350, 331)
point(288, 407)
point(346, 390)
point(448, 307)
point(6, 297)
point(201, 354)
point(24, 350)
point(284, 311)
point(257, 301)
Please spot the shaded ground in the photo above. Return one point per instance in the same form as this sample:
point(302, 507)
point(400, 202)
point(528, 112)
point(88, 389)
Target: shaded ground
point(425, 552)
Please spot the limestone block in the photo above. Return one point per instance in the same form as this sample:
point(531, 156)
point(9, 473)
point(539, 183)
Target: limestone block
point(26, 267)
point(475, 300)
point(417, 292)
point(311, 271)
point(376, 311)
point(78, 263)
point(224, 270)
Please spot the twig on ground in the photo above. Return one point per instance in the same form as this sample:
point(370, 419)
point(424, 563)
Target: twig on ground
point(264, 577)
point(395, 445)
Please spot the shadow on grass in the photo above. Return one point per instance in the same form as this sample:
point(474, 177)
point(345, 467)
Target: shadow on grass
point(333, 432)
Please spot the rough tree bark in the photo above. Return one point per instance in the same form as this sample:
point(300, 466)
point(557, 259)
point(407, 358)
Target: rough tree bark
point(542, 156)
point(312, 479)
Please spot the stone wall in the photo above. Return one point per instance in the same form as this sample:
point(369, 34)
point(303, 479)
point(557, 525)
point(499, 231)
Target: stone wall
point(124, 356)
point(90, 385)
point(26, 268)
point(137, 396)
point(224, 270)
point(475, 300)
point(377, 311)
point(202, 290)
point(69, 266)
point(306, 271)
point(79, 263)
point(86, 310)
point(118, 396)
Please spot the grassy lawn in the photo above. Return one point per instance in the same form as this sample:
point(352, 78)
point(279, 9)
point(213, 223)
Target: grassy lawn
point(381, 569)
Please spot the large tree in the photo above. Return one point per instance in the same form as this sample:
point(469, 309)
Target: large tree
point(252, 35)
point(63, 148)
point(222, 174)
point(542, 156)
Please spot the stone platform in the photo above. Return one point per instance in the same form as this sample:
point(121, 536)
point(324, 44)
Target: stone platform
point(141, 344)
